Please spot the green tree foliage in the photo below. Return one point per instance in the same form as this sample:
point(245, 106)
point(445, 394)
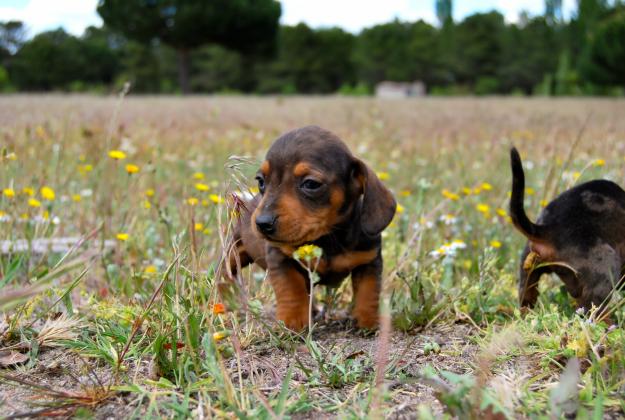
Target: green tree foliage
point(185, 25)
point(55, 59)
point(444, 11)
point(606, 63)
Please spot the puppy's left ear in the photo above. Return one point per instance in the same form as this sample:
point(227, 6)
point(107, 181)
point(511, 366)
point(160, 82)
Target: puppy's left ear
point(378, 204)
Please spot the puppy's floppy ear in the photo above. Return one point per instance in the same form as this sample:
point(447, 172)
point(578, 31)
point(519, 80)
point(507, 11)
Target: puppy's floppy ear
point(378, 204)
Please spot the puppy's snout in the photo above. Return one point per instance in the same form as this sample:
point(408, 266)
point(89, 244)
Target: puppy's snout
point(266, 223)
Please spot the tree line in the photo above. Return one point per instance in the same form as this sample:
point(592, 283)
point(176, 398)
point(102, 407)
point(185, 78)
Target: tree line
point(220, 46)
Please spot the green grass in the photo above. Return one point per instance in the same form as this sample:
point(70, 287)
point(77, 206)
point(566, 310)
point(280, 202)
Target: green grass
point(133, 312)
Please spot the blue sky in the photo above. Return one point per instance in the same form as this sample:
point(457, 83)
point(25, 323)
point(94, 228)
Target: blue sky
point(352, 15)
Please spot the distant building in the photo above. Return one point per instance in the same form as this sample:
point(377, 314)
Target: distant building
point(398, 90)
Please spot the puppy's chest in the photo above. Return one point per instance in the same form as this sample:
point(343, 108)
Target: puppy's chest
point(345, 262)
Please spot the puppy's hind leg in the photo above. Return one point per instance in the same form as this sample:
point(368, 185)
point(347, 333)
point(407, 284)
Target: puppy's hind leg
point(528, 280)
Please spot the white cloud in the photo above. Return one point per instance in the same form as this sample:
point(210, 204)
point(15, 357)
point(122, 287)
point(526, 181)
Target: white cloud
point(42, 15)
point(351, 15)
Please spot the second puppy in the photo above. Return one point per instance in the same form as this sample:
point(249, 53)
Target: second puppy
point(580, 236)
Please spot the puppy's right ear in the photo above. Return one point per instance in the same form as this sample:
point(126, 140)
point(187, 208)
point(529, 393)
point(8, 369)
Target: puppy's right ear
point(378, 204)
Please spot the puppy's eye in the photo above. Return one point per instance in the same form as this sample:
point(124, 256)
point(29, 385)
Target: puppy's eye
point(310, 185)
point(261, 184)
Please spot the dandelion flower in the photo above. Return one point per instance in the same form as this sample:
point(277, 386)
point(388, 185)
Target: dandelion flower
point(220, 335)
point(202, 187)
point(486, 186)
point(530, 191)
point(466, 191)
point(147, 204)
point(198, 175)
point(216, 199)
point(495, 243)
point(501, 212)
point(122, 236)
point(198, 226)
point(192, 201)
point(207, 231)
point(47, 193)
point(599, 162)
point(543, 203)
point(483, 208)
point(33, 202)
point(132, 169)
point(150, 269)
point(9, 192)
point(117, 154)
point(219, 308)
point(405, 193)
point(400, 209)
point(306, 252)
point(149, 192)
point(28, 191)
point(450, 195)
point(384, 176)
point(76, 197)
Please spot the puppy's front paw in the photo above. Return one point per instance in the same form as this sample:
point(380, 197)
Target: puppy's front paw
point(366, 319)
point(295, 319)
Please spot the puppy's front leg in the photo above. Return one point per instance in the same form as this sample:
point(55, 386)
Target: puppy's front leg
point(291, 291)
point(366, 282)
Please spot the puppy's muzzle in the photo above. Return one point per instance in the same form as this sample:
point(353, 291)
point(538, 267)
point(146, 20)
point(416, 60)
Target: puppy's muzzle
point(266, 223)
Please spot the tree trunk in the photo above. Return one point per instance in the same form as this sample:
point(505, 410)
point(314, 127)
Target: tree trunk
point(183, 70)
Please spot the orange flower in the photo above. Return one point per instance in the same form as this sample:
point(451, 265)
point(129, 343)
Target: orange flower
point(219, 308)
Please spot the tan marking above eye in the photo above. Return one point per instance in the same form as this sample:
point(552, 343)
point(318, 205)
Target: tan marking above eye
point(265, 167)
point(301, 169)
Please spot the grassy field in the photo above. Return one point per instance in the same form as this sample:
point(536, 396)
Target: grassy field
point(113, 213)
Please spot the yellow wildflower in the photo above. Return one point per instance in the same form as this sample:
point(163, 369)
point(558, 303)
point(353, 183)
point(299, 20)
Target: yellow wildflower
point(202, 187)
point(400, 208)
point(483, 208)
point(216, 199)
point(122, 236)
point(220, 335)
point(384, 176)
point(132, 169)
point(530, 191)
point(501, 212)
point(466, 191)
point(198, 226)
point(24, 216)
point(149, 192)
point(205, 202)
point(150, 269)
point(599, 162)
point(306, 252)
point(486, 186)
point(576, 175)
point(47, 193)
point(46, 215)
point(198, 175)
point(477, 190)
point(147, 204)
point(28, 191)
point(11, 156)
point(543, 203)
point(207, 231)
point(450, 195)
point(192, 201)
point(495, 243)
point(76, 197)
point(405, 193)
point(83, 169)
point(9, 192)
point(117, 154)
point(33, 202)
point(254, 190)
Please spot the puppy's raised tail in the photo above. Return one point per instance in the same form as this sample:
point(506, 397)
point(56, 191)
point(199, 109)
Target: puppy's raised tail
point(517, 212)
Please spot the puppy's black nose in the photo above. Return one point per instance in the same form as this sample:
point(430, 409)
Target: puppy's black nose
point(266, 223)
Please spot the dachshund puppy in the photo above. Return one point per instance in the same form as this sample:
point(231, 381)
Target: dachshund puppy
point(580, 236)
point(314, 191)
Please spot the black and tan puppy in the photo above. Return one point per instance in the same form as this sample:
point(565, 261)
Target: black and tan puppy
point(314, 191)
point(583, 228)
